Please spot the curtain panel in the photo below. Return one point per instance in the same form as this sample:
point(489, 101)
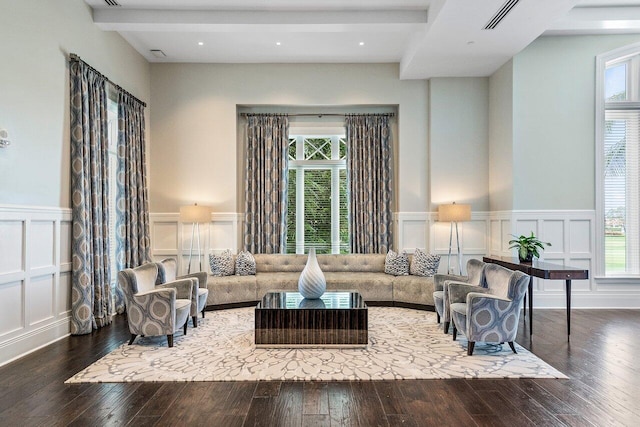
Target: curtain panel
point(91, 302)
point(132, 200)
point(369, 169)
point(266, 183)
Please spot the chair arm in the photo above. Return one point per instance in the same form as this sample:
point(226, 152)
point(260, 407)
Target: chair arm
point(458, 291)
point(149, 297)
point(200, 275)
point(439, 279)
point(476, 297)
point(184, 287)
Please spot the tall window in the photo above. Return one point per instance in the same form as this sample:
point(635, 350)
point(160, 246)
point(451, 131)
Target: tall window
point(317, 212)
point(619, 175)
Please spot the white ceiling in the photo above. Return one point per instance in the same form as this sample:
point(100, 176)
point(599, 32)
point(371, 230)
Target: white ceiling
point(429, 38)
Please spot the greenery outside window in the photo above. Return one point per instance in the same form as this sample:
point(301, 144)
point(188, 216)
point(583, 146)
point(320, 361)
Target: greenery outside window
point(318, 206)
point(619, 164)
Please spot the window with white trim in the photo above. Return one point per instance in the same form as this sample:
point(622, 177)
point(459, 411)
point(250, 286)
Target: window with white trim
point(317, 205)
point(619, 168)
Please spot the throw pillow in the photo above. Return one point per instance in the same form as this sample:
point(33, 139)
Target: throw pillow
point(424, 264)
point(245, 264)
point(396, 264)
point(222, 265)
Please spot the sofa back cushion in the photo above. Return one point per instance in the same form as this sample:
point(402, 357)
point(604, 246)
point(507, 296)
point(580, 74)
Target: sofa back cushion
point(269, 263)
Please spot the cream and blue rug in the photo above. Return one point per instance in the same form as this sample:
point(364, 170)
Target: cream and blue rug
point(403, 344)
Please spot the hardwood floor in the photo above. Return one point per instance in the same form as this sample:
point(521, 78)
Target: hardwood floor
point(600, 361)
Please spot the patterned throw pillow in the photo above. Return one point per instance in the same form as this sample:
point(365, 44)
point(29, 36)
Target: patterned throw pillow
point(222, 265)
point(245, 264)
point(396, 264)
point(424, 264)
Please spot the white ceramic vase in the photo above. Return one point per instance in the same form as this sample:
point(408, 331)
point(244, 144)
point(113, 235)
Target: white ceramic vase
point(312, 283)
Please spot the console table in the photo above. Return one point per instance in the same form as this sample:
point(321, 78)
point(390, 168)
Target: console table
point(542, 270)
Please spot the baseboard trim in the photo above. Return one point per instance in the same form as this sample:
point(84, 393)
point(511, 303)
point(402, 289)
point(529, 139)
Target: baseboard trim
point(34, 340)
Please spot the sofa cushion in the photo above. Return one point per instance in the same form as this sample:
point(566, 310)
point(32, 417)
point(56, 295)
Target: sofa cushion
point(231, 289)
point(413, 289)
point(396, 264)
point(245, 264)
point(372, 286)
point(222, 264)
point(424, 264)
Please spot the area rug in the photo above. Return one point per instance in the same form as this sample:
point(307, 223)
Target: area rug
point(403, 344)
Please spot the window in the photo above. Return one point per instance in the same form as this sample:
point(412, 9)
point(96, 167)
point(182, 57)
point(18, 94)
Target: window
point(317, 212)
point(619, 168)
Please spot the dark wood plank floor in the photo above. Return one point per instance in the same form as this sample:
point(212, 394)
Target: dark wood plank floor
point(600, 359)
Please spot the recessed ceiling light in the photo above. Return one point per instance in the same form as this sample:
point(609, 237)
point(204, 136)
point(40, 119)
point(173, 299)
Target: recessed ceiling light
point(200, 43)
point(277, 43)
point(470, 42)
point(361, 43)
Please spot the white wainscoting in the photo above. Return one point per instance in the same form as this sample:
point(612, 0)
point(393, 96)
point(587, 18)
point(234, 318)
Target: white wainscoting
point(35, 278)
point(171, 238)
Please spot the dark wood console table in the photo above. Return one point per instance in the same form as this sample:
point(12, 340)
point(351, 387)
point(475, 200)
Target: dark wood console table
point(542, 270)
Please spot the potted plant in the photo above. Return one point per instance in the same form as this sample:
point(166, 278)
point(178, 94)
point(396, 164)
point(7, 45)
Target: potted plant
point(528, 246)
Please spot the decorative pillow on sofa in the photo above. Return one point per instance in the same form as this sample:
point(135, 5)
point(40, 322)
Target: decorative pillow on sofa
point(424, 264)
point(222, 265)
point(396, 264)
point(245, 264)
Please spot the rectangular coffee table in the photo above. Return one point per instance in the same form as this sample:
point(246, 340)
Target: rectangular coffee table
point(286, 319)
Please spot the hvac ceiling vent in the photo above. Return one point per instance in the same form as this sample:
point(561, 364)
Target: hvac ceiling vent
point(158, 53)
point(500, 14)
point(111, 3)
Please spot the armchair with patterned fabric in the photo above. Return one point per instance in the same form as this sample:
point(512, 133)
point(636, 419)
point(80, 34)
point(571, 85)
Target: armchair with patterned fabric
point(155, 309)
point(167, 272)
point(492, 314)
point(475, 269)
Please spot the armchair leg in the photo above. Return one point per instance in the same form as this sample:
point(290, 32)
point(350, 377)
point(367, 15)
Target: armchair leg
point(470, 347)
point(133, 337)
point(203, 313)
point(455, 332)
point(446, 327)
point(195, 321)
point(185, 326)
point(170, 340)
point(438, 317)
point(513, 347)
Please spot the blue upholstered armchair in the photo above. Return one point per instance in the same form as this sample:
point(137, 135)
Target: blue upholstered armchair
point(489, 314)
point(475, 276)
point(167, 272)
point(155, 309)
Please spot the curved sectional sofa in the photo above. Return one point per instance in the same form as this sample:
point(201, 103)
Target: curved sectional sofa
point(360, 272)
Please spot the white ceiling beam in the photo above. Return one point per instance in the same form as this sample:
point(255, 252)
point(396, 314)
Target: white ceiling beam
point(595, 20)
point(188, 20)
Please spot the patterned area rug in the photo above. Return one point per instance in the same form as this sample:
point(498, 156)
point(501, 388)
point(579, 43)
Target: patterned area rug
point(403, 344)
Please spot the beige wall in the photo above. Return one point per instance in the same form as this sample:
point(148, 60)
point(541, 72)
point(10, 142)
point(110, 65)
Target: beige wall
point(34, 91)
point(194, 123)
point(501, 138)
point(458, 135)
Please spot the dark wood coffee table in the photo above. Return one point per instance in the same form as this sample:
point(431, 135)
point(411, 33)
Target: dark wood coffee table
point(286, 319)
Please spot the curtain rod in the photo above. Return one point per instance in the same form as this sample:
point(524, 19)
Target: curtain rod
point(77, 58)
point(320, 114)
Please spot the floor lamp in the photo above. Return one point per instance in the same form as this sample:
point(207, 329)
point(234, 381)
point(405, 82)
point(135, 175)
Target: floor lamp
point(195, 215)
point(454, 213)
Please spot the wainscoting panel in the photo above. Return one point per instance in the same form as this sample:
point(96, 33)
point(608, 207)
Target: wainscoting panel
point(35, 278)
point(170, 238)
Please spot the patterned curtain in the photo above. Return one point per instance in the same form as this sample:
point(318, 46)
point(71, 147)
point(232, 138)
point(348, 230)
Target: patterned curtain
point(266, 183)
point(370, 174)
point(91, 302)
point(132, 202)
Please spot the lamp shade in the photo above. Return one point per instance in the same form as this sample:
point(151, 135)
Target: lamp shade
point(195, 213)
point(454, 212)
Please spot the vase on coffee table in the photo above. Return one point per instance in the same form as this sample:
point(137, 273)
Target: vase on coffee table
point(312, 283)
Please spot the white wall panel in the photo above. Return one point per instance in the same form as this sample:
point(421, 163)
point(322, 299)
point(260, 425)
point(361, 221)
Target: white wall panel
point(40, 297)
point(553, 232)
point(41, 243)
point(11, 246)
point(165, 235)
point(11, 308)
point(35, 285)
point(580, 237)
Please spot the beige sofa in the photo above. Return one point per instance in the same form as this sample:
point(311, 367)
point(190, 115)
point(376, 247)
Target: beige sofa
point(363, 273)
